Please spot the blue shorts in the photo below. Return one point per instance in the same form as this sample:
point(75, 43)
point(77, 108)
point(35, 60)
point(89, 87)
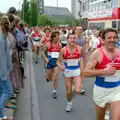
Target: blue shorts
point(51, 65)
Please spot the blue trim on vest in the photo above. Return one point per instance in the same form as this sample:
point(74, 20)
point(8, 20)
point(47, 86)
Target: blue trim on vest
point(36, 39)
point(52, 59)
point(100, 81)
point(71, 67)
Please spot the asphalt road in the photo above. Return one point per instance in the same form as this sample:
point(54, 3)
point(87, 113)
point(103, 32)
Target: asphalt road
point(54, 109)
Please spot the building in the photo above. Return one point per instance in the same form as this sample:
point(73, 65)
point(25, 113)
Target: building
point(97, 13)
point(79, 10)
point(61, 14)
point(75, 8)
point(41, 6)
point(55, 11)
point(104, 13)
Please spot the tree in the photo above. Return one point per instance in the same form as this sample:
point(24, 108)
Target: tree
point(44, 20)
point(34, 12)
point(25, 9)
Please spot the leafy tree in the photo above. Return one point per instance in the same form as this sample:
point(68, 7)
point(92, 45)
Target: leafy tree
point(25, 8)
point(34, 12)
point(44, 20)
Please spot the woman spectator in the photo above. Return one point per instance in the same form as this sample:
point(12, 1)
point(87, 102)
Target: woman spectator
point(5, 65)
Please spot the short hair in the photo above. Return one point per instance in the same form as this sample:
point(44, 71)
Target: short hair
point(101, 32)
point(11, 17)
point(64, 31)
point(107, 30)
point(12, 10)
point(70, 34)
point(54, 33)
point(46, 29)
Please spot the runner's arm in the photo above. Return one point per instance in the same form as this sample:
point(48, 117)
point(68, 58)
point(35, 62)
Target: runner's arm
point(86, 45)
point(59, 60)
point(90, 67)
point(41, 43)
point(44, 52)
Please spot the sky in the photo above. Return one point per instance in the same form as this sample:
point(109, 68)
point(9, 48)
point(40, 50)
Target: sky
point(5, 4)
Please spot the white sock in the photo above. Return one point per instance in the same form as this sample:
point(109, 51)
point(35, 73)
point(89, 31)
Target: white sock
point(54, 91)
point(70, 102)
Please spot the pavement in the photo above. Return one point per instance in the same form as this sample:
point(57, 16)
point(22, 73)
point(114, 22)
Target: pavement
point(28, 107)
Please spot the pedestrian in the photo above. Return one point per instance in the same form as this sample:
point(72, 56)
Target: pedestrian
point(5, 66)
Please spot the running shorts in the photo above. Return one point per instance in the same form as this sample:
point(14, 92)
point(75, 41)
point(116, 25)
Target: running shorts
point(102, 96)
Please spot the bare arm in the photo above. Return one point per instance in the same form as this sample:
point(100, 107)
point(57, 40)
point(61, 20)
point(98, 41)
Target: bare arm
point(59, 60)
point(90, 67)
point(86, 45)
point(44, 52)
point(41, 43)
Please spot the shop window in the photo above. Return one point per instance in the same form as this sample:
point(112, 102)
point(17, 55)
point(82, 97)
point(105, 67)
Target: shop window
point(114, 24)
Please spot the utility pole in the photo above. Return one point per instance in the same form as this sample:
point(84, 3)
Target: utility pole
point(23, 9)
point(57, 11)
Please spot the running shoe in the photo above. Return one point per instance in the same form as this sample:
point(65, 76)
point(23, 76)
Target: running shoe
point(69, 107)
point(82, 92)
point(54, 95)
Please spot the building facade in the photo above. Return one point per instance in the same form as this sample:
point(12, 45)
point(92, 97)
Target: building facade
point(79, 10)
point(97, 13)
point(104, 13)
point(41, 6)
point(75, 8)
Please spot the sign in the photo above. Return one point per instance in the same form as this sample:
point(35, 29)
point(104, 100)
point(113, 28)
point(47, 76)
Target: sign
point(100, 14)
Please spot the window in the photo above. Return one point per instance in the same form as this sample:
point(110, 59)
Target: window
point(90, 8)
point(93, 8)
point(86, 6)
point(83, 6)
point(114, 24)
point(97, 7)
point(118, 25)
point(100, 5)
point(109, 4)
point(97, 25)
point(104, 5)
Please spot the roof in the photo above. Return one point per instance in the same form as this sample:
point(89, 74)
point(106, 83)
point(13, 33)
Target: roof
point(53, 11)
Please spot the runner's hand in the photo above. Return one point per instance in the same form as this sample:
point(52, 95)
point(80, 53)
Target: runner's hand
point(47, 60)
point(110, 70)
point(62, 68)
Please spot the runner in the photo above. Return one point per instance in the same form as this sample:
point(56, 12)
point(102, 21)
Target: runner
point(100, 38)
point(72, 70)
point(81, 41)
point(52, 48)
point(36, 38)
point(104, 63)
point(45, 39)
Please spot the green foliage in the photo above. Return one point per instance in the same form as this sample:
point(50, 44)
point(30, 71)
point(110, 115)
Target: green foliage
point(24, 13)
point(34, 13)
point(44, 20)
point(31, 15)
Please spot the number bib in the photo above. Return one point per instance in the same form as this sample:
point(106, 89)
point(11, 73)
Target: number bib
point(114, 78)
point(72, 63)
point(55, 54)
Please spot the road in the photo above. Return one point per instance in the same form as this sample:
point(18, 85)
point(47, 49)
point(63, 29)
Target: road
point(54, 109)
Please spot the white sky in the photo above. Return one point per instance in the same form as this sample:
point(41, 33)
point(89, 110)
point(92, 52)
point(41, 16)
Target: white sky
point(5, 4)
